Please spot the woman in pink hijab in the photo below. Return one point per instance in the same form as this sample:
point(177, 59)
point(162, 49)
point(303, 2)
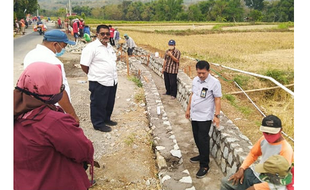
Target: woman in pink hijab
point(49, 146)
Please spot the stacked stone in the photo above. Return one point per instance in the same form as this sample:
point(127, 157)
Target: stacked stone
point(168, 155)
point(227, 144)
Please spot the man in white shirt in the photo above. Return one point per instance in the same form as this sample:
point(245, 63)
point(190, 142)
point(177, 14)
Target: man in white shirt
point(203, 109)
point(98, 61)
point(53, 46)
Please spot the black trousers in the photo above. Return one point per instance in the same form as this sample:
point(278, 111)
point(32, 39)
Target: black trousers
point(201, 136)
point(171, 84)
point(130, 50)
point(102, 100)
point(112, 41)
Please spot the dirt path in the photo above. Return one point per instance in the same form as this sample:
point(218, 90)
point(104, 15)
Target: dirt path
point(126, 152)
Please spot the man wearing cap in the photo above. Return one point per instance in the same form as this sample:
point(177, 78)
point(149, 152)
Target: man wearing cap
point(271, 143)
point(171, 68)
point(130, 44)
point(53, 46)
point(275, 170)
point(98, 61)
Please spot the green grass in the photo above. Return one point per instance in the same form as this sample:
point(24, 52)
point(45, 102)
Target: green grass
point(233, 101)
point(284, 77)
point(135, 80)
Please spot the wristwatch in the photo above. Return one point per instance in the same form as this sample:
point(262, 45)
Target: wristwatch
point(217, 115)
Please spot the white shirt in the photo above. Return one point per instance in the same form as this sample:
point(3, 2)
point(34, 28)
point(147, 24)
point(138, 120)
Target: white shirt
point(203, 105)
point(130, 42)
point(101, 61)
point(42, 53)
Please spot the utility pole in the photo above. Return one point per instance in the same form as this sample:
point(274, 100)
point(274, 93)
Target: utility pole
point(70, 7)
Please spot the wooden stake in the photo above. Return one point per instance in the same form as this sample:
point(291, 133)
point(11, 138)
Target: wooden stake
point(261, 89)
point(148, 60)
point(127, 63)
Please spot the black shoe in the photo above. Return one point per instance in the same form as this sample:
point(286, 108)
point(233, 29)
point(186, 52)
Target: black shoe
point(194, 159)
point(202, 172)
point(104, 129)
point(111, 123)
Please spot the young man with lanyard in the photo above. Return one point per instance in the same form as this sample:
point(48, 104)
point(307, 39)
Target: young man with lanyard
point(271, 143)
point(171, 68)
point(98, 61)
point(203, 109)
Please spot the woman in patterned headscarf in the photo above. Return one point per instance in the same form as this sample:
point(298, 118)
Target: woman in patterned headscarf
point(49, 146)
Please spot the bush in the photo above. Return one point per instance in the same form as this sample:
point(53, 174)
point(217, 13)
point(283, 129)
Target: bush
point(284, 77)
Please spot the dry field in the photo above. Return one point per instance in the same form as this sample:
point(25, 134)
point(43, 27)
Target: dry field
point(252, 51)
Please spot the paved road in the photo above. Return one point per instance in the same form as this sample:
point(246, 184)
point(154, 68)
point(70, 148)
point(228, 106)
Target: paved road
point(22, 45)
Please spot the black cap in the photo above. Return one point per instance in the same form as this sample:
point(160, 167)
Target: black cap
point(271, 124)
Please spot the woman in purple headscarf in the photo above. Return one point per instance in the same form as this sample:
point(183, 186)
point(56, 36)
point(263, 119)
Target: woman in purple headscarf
point(49, 146)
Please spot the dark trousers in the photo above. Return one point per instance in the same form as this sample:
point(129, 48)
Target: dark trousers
point(130, 50)
point(112, 41)
point(102, 99)
point(249, 180)
point(171, 84)
point(202, 140)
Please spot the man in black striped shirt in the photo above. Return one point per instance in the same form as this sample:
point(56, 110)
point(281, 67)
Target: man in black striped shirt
point(170, 69)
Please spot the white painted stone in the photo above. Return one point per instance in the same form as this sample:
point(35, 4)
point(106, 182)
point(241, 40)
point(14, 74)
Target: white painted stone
point(160, 147)
point(187, 179)
point(176, 153)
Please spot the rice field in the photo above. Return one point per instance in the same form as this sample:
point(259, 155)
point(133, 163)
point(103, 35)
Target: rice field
point(256, 51)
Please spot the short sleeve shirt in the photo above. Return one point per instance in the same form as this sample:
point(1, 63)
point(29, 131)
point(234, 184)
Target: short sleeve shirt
point(42, 53)
point(204, 92)
point(101, 61)
point(172, 66)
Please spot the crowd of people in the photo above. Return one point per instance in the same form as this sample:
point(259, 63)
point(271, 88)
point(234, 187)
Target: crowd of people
point(51, 151)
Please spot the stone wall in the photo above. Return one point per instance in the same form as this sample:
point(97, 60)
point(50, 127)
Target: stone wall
point(228, 145)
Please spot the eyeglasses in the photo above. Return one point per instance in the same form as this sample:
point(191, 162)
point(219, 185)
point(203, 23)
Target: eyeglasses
point(105, 33)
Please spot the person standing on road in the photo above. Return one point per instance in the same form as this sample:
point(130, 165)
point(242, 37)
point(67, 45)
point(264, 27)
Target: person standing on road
point(116, 38)
point(203, 109)
point(130, 44)
point(59, 22)
point(112, 35)
point(81, 27)
point(170, 69)
point(75, 28)
point(271, 143)
point(53, 46)
point(98, 61)
point(49, 146)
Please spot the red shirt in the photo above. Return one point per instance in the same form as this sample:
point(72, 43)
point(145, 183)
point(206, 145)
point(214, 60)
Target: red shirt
point(49, 151)
point(75, 27)
point(112, 32)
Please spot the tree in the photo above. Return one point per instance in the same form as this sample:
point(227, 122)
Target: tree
point(135, 10)
point(167, 9)
point(113, 12)
point(255, 4)
point(194, 13)
point(23, 7)
point(256, 15)
point(234, 11)
point(286, 10)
